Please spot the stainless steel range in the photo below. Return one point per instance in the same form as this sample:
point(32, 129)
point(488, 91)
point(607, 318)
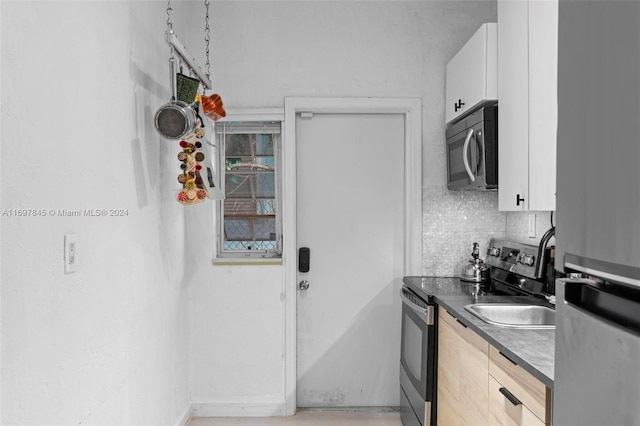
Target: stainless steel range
point(519, 269)
point(515, 269)
point(417, 360)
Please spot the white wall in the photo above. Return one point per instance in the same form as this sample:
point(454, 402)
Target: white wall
point(1, 280)
point(518, 226)
point(263, 51)
point(106, 345)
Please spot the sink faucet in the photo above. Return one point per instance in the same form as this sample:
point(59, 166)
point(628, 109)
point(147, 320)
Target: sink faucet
point(541, 258)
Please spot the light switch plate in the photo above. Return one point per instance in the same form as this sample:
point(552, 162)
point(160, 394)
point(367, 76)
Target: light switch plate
point(532, 225)
point(70, 253)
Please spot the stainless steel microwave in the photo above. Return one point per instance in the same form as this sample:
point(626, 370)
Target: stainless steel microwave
point(472, 151)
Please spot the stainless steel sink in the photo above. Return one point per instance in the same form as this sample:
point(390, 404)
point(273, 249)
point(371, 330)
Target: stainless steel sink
point(516, 315)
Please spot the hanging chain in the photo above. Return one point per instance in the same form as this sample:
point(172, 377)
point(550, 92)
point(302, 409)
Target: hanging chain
point(207, 33)
point(169, 17)
point(207, 38)
point(170, 24)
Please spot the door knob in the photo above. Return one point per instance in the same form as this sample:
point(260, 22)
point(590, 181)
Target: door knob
point(303, 285)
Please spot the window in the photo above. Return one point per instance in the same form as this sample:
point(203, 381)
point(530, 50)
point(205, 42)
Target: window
point(249, 222)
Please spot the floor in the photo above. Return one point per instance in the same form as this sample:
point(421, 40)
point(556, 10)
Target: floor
point(308, 418)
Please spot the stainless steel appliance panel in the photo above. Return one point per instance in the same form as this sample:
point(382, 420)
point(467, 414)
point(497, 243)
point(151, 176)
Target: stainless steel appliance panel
point(597, 379)
point(598, 176)
point(417, 358)
point(407, 415)
point(413, 408)
point(597, 369)
point(472, 151)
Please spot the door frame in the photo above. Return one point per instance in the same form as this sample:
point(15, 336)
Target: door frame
point(412, 110)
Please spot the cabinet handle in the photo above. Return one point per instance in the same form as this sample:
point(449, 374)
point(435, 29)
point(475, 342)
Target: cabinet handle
point(508, 359)
point(459, 322)
point(512, 399)
point(519, 199)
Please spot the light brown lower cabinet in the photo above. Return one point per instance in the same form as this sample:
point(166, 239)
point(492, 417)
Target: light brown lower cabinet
point(463, 368)
point(477, 385)
point(505, 409)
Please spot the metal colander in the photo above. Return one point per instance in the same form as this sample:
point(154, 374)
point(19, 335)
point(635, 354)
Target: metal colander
point(175, 120)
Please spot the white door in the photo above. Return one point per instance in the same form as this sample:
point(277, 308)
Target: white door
point(350, 203)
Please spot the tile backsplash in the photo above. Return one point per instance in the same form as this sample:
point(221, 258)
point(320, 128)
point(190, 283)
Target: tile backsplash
point(454, 220)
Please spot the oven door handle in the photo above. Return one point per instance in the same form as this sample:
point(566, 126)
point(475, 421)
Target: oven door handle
point(465, 156)
point(602, 304)
point(427, 312)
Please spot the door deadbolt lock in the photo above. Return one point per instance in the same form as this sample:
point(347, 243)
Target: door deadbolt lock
point(304, 255)
point(303, 285)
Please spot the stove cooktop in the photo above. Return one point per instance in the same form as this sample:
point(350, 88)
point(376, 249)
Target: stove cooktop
point(512, 266)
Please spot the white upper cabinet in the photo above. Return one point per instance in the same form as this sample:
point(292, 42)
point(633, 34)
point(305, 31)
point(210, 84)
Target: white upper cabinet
point(528, 106)
point(472, 73)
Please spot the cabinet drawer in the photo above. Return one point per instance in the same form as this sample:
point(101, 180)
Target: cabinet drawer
point(503, 411)
point(533, 394)
point(463, 331)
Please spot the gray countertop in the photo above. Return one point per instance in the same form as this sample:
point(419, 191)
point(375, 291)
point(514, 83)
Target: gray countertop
point(532, 349)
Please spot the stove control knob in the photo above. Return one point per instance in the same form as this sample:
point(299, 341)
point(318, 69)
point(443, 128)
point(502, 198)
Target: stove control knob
point(527, 259)
point(493, 251)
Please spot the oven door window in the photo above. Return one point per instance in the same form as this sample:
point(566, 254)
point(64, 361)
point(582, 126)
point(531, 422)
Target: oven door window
point(417, 350)
point(412, 348)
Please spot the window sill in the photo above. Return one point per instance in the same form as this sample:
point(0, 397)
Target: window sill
point(224, 261)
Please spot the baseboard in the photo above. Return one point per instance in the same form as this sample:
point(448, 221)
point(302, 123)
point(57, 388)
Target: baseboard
point(208, 409)
point(238, 409)
point(186, 415)
point(354, 409)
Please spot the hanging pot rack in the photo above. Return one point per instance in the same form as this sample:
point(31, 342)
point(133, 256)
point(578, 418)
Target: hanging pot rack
point(184, 55)
point(179, 48)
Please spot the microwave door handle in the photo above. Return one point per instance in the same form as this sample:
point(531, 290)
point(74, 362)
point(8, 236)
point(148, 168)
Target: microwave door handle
point(479, 151)
point(475, 157)
point(465, 156)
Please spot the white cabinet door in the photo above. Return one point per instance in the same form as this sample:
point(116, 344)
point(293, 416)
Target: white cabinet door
point(528, 111)
point(513, 107)
point(543, 103)
point(471, 74)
